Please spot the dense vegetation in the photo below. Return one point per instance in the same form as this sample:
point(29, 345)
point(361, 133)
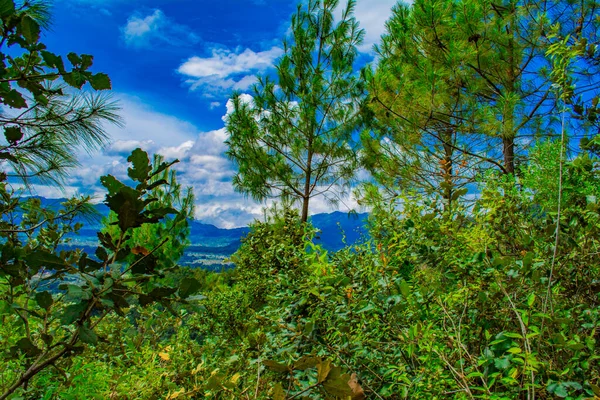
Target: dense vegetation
point(480, 276)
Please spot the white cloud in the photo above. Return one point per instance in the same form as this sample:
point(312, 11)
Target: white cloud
point(225, 69)
point(145, 30)
point(120, 147)
point(178, 152)
point(203, 164)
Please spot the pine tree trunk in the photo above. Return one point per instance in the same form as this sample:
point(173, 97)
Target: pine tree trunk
point(305, 209)
point(508, 149)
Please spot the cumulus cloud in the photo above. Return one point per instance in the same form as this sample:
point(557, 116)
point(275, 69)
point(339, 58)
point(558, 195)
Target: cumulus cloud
point(203, 164)
point(146, 30)
point(225, 69)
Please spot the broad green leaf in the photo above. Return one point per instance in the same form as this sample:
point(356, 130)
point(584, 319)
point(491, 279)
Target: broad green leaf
point(13, 134)
point(141, 165)
point(43, 258)
point(102, 254)
point(75, 79)
point(30, 29)
point(53, 61)
point(72, 313)
point(44, 299)
point(87, 335)
point(188, 287)
point(512, 335)
point(74, 59)
point(561, 391)
point(275, 366)
point(86, 61)
point(404, 288)
point(111, 183)
point(100, 81)
point(502, 363)
point(14, 99)
point(7, 8)
point(9, 157)
point(531, 299)
point(28, 347)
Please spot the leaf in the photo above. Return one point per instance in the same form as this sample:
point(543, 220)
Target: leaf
point(404, 288)
point(14, 99)
point(145, 300)
point(30, 29)
point(502, 363)
point(275, 366)
point(101, 253)
point(176, 394)
point(531, 299)
point(137, 250)
point(44, 299)
point(278, 393)
point(75, 79)
point(323, 369)
point(512, 335)
point(7, 8)
point(9, 157)
point(164, 356)
point(188, 287)
point(74, 59)
point(141, 165)
point(43, 258)
point(561, 391)
point(111, 183)
point(100, 81)
point(53, 61)
point(72, 313)
point(13, 134)
point(357, 391)
point(338, 384)
point(87, 335)
point(86, 61)
point(161, 292)
point(306, 362)
point(28, 347)
point(235, 378)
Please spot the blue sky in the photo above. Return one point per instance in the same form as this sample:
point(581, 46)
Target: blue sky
point(173, 65)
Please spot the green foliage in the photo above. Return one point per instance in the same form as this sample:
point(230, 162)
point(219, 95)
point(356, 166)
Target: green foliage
point(496, 297)
point(56, 299)
point(168, 194)
point(42, 122)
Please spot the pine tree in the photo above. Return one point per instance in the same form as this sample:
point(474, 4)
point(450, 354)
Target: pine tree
point(294, 139)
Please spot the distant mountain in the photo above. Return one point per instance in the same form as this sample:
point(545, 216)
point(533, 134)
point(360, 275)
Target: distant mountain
point(211, 245)
point(340, 229)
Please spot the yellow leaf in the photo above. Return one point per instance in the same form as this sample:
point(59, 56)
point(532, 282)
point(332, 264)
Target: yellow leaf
point(198, 368)
point(176, 394)
point(164, 356)
point(235, 378)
